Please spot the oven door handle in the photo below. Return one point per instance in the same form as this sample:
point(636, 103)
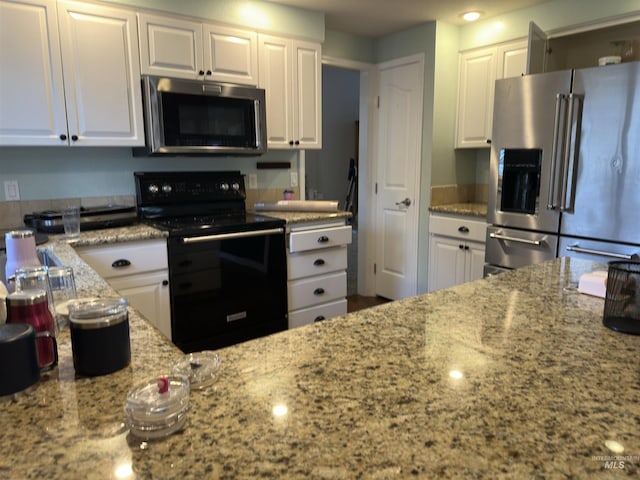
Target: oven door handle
point(231, 236)
point(507, 238)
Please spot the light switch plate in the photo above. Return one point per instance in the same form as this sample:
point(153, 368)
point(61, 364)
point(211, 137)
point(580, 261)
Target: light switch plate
point(11, 190)
point(294, 179)
point(253, 181)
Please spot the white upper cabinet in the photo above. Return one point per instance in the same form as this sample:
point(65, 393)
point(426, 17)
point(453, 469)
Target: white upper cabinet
point(32, 110)
point(290, 73)
point(71, 79)
point(175, 47)
point(478, 70)
point(101, 75)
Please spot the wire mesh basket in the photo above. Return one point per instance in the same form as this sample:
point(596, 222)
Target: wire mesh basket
point(622, 303)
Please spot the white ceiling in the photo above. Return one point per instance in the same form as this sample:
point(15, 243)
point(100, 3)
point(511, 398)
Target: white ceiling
point(375, 18)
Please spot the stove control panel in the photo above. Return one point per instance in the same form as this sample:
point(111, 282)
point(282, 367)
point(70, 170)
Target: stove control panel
point(186, 187)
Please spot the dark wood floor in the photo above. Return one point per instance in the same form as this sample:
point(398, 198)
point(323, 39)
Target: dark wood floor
point(359, 302)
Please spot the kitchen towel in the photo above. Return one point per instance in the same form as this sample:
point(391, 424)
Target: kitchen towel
point(594, 283)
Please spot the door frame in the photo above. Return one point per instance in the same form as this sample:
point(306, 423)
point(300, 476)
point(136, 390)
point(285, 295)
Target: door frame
point(366, 169)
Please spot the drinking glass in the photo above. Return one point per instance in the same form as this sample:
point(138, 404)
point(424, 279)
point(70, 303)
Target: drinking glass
point(63, 289)
point(71, 222)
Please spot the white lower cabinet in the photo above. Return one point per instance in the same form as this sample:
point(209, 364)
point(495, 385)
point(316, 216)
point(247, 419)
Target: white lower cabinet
point(139, 272)
point(316, 272)
point(456, 250)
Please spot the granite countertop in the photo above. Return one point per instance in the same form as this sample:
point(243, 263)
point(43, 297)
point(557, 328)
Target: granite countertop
point(471, 209)
point(509, 377)
point(301, 217)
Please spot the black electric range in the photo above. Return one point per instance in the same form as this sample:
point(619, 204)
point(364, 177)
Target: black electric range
point(227, 267)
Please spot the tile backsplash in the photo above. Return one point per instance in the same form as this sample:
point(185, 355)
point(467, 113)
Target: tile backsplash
point(447, 194)
point(12, 213)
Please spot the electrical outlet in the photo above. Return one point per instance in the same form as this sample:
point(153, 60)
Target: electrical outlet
point(11, 190)
point(294, 179)
point(253, 181)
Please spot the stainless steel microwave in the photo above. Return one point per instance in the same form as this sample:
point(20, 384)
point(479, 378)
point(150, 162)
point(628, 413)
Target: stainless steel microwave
point(195, 117)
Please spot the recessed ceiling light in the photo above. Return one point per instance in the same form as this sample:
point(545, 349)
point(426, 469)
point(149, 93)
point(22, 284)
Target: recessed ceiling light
point(471, 16)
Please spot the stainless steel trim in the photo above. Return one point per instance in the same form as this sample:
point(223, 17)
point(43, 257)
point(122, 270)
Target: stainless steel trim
point(573, 145)
point(551, 203)
point(230, 236)
point(566, 155)
point(499, 236)
point(602, 253)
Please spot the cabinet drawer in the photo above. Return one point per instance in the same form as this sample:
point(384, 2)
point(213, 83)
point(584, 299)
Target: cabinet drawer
point(316, 262)
point(458, 227)
point(316, 290)
point(325, 311)
point(319, 238)
point(126, 258)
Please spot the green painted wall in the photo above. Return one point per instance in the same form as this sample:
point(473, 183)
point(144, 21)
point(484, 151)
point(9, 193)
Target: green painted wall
point(346, 46)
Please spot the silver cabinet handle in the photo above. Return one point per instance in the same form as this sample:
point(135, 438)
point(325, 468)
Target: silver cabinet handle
point(552, 202)
point(406, 202)
point(499, 236)
point(602, 253)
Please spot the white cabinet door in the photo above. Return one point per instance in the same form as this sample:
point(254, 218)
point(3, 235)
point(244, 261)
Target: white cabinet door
point(149, 294)
point(290, 73)
point(478, 71)
point(231, 55)
point(307, 84)
point(275, 77)
point(32, 110)
point(446, 262)
point(512, 59)
point(100, 60)
point(476, 76)
point(475, 261)
point(170, 47)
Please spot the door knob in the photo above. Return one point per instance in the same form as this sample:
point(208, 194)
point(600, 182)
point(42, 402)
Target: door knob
point(406, 202)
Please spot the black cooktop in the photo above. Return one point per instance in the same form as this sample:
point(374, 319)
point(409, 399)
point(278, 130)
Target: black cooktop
point(209, 225)
point(197, 203)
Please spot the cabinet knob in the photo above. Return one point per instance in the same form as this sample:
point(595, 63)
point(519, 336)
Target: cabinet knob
point(201, 72)
point(319, 262)
point(121, 263)
point(466, 247)
point(74, 138)
point(290, 142)
point(297, 142)
point(323, 239)
point(209, 73)
point(461, 247)
point(319, 318)
point(463, 229)
point(63, 137)
point(489, 141)
point(318, 291)
point(165, 283)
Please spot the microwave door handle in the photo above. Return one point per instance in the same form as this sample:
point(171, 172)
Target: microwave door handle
point(211, 89)
point(572, 144)
point(552, 201)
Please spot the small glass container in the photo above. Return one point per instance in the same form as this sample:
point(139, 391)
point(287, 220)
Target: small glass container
point(159, 407)
point(201, 368)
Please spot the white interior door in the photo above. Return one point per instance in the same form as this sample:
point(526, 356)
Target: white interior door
point(398, 177)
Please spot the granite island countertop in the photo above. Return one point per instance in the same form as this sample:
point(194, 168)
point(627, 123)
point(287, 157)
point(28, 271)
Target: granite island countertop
point(509, 377)
point(302, 217)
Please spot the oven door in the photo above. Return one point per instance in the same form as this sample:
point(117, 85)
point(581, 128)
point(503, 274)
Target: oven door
point(227, 288)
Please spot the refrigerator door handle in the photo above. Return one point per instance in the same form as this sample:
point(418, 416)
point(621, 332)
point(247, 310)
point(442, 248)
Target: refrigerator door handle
point(499, 236)
point(572, 144)
point(602, 253)
point(552, 203)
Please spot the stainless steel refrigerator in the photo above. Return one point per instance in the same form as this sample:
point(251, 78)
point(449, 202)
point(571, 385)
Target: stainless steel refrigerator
point(565, 167)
